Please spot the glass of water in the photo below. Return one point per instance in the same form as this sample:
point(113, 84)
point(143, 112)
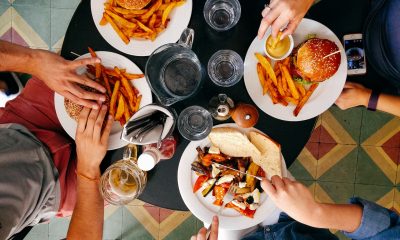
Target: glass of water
point(195, 123)
point(222, 15)
point(225, 68)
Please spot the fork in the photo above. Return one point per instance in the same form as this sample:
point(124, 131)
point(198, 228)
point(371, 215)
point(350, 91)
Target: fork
point(227, 199)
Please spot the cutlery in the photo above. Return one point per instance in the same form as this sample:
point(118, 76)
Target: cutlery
point(256, 177)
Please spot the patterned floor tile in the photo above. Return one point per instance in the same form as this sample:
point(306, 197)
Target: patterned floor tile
point(380, 129)
point(377, 166)
point(173, 221)
point(58, 228)
point(340, 126)
point(315, 135)
point(59, 23)
point(4, 2)
point(138, 225)
point(329, 192)
point(40, 231)
point(305, 166)
point(382, 195)
point(337, 162)
point(396, 202)
point(185, 230)
point(31, 26)
point(113, 222)
point(5, 23)
point(65, 4)
point(37, 3)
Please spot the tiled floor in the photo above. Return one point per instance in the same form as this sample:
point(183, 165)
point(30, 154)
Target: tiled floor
point(351, 153)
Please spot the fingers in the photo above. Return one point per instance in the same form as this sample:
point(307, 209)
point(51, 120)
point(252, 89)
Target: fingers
point(263, 27)
point(265, 11)
point(83, 62)
point(277, 182)
point(214, 228)
point(83, 94)
point(287, 181)
point(99, 123)
point(91, 121)
point(268, 187)
point(202, 234)
point(291, 27)
point(84, 80)
point(80, 101)
point(107, 130)
point(83, 116)
point(353, 85)
point(279, 24)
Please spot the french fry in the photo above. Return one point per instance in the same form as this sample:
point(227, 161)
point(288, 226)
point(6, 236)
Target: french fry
point(103, 21)
point(106, 81)
point(304, 99)
point(114, 96)
point(261, 76)
point(301, 89)
point(131, 76)
point(286, 61)
point(127, 114)
point(124, 38)
point(290, 82)
point(96, 65)
point(126, 84)
point(166, 12)
point(282, 101)
point(284, 83)
point(120, 108)
point(292, 100)
point(152, 9)
point(267, 66)
point(279, 86)
point(129, 11)
point(272, 91)
point(276, 40)
point(137, 104)
point(122, 21)
point(142, 26)
point(152, 21)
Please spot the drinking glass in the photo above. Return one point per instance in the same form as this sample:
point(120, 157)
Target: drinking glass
point(123, 181)
point(222, 15)
point(173, 70)
point(195, 123)
point(225, 68)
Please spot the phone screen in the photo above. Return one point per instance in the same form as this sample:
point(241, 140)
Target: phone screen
point(355, 54)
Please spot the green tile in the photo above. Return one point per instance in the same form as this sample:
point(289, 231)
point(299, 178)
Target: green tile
point(132, 228)
point(185, 230)
point(341, 236)
point(40, 231)
point(4, 3)
point(368, 172)
point(56, 237)
point(342, 171)
point(64, 3)
point(372, 122)
point(37, 3)
point(58, 227)
point(371, 192)
point(338, 192)
point(38, 18)
point(113, 225)
point(350, 120)
point(299, 172)
point(3, 8)
point(60, 19)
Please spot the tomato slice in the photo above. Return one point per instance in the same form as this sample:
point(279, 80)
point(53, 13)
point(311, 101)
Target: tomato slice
point(261, 172)
point(247, 212)
point(199, 182)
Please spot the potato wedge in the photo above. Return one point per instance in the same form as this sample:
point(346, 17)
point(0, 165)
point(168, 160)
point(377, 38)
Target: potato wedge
point(267, 66)
point(305, 99)
point(290, 83)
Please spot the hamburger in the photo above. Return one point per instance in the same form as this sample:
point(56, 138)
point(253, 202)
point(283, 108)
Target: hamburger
point(73, 109)
point(309, 62)
point(133, 4)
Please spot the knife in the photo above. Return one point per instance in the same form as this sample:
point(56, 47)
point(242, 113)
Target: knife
point(256, 177)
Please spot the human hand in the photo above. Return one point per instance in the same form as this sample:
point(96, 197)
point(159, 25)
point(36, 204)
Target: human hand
point(353, 95)
point(60, 75)
point(203, 231)
point(280, 13)
point(91, 142)
point(293, 198)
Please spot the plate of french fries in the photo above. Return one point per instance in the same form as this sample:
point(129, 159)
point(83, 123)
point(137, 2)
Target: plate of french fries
point(126, 92)
point(139, 32)
point(276, 92)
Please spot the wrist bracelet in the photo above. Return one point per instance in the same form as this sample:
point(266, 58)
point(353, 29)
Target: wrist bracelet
point(373, 100)
point(86, 177)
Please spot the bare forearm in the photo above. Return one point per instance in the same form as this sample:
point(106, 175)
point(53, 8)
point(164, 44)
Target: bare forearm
point(345, 217)
point(87, 219)
point(16, 58)
point(389, 104)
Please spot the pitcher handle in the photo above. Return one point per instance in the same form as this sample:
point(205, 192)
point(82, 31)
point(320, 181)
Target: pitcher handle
point(187, 37)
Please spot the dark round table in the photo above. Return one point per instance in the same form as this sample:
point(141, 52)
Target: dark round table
point(162, 187)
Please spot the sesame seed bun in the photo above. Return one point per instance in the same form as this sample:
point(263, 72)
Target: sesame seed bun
point(310, 63)
point(133, 4)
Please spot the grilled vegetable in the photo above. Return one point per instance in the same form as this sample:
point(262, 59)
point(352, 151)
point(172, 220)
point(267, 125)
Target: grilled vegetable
point(208, 189)
point(197, 167)
point(251, 181)
point(199, 182)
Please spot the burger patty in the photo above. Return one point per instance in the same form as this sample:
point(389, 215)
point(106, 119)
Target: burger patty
point(133, 4)
point(309, 62)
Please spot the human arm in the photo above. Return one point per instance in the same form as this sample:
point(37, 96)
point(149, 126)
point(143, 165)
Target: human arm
point(91, 144)
point(357, 95)
point(58, 74)
point(203, 231)
point(280, 13)
point(297, 201)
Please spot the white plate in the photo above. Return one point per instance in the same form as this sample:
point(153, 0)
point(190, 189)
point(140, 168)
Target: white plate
point(203, 208)
point(323, 97)
point(110, 60)
point(180, 17)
